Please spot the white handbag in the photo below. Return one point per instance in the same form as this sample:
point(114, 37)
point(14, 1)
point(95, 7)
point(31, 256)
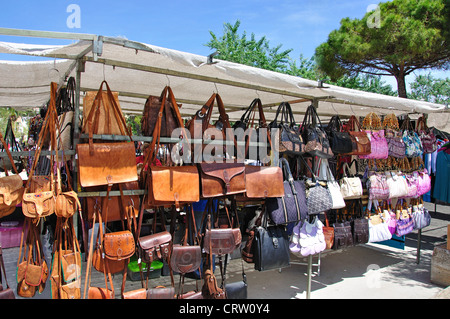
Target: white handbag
point(332, 184)
point(350, 187)
point(378, 228)
point(398, 186)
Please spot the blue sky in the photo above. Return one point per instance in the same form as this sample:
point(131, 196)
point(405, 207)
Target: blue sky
point(300, 25)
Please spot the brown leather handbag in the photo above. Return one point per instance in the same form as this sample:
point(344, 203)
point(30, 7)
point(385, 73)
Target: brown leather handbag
point(11, 187)
point(169, 185)
point(32, 269)
point(360, 141)
point(200, 128)
point(223, 239)
point(152, 107)
point(106, 163)
point(263, 181)
point(187, 258)
point(221, 179)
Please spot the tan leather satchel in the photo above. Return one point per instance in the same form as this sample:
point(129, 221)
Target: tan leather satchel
point(36, 205)
point(263, 182)
point(106, 163)
point(11, 187)
point(221, 179)
point(173, 185)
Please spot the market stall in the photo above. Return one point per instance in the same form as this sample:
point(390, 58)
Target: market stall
point(110, 77)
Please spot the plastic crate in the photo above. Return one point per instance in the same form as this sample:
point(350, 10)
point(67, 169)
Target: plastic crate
point(10, 234)
point(134, 274)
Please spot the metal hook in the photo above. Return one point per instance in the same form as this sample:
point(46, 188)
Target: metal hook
point(168, 80)
point(217, 90)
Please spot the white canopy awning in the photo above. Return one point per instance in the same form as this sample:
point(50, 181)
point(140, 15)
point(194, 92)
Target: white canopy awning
point(137, 70)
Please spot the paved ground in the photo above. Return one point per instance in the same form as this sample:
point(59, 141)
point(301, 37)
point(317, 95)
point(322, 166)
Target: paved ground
point(369, 271)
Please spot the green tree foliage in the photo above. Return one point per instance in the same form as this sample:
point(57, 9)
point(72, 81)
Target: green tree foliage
point(254, 52)
point(409, 35)
point(237, 48)
point(431, 89)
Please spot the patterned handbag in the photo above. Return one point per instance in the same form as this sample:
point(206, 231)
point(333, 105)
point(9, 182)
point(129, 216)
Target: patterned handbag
point(420, 215)
point(378, 143)
point(378, 187)
point(405, 223)
point(314, 136)
point(412, 141)
point(396, 146)
point(426, 136)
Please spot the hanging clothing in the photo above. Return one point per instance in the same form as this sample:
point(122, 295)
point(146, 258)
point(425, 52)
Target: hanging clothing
point(441, 190)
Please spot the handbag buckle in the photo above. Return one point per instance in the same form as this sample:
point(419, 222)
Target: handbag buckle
point(275, 242)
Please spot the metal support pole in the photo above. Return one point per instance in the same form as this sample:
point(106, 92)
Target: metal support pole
point(308, 283)
point(419, 239)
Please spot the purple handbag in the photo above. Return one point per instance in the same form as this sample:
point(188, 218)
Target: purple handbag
point(426, 136)
point(396, 146)
point(404, 226)
point(308, 238)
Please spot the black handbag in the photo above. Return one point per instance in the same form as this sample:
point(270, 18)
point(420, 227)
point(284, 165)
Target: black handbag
point(289, 141)
point(256, 132)
point(360, 224)
point(5, 293)
point(238, 289)
point(271, 247)
point(343, 236)
point(292, 206)
point(314, 136)
point(340, 142)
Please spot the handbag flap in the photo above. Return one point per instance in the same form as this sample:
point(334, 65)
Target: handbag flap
point(71, 265)
point(110, 163)
point(119, 245)
point(135, 294)
point(175, 183)
point(222, 171)
point(264, 181)
point(9, 185)
point(71, 290)
point(222, 240)
point(34, 274)
point(161, 293)
point(360, 137)
point(100, 293)
point(185, 259)
point(36, 203)
point(154, 240)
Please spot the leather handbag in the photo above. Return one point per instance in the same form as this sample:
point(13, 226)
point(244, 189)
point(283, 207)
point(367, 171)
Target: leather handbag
point(289, 139)
point(200, 128)
point(291, 206)
point(152, 107)
point(308, 238)
point(103, 163)
point(313, 133)
point(32, 268)
point(271, 246)
point(220, 240)
point(210, 288)
point(5, 293)
point(11, 186)
point(350, 186)
point(186, 258)
point(360, 140)
point(254, 133)
point(173, 185)
point(328, 233)
point(169, 185)
point(262, 182)
point(221, 179)
point(106, 163)
point(340, 141)
point(155, 246)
